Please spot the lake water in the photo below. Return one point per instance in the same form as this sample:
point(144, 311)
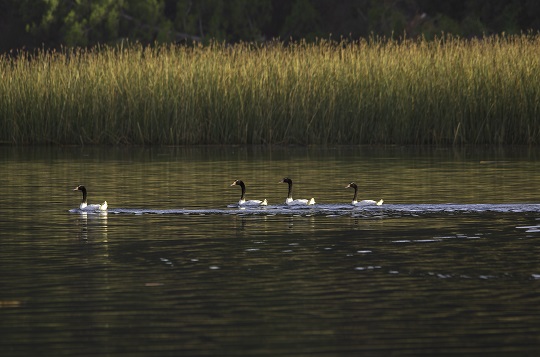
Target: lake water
point(449, 264)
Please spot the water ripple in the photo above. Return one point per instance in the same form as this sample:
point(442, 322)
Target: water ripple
point(336, 210)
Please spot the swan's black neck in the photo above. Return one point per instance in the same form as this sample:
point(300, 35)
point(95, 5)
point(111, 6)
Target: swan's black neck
point(289, 182)
point(353, 185)
point(243, 186)
point(83, 189)
point(355, 192)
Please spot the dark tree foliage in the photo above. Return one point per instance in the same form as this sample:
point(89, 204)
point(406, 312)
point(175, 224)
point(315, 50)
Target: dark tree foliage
point(53, 23)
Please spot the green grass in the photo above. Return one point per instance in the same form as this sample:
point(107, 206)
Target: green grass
point(449, 91)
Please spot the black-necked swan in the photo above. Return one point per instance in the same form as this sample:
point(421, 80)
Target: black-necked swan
point(289, 201)
point(355, 202)
point(85, 206)
point(243, 201)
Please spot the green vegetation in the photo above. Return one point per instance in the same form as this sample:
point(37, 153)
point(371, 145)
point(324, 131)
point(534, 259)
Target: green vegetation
point(447, 91)
point(86, 23)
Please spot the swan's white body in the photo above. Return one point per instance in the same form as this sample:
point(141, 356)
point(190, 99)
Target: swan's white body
point(299, 201)
point(94, 207)
point(367, 203)
point(357, 203)
point(253, 202)
point(84, 206)
point(249, 203)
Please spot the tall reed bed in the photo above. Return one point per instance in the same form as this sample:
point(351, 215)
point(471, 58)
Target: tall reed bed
point(448, 91)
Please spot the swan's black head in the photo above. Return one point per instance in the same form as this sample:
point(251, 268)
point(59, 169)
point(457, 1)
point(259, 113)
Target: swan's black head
point(351, 185)
point(83, 190)
point(286, 180)
point(80, 188)
point(238, 182)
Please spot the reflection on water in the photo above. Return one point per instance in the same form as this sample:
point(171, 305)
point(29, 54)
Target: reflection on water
point(92, 226)
point(449, 264)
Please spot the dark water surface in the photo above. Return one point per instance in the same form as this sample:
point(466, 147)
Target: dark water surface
point(448, 265)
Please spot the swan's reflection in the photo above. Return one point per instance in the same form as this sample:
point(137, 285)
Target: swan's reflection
point(92, 226)
point(92, 235)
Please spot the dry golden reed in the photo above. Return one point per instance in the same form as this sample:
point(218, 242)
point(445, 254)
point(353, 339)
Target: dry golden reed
point(375, 91)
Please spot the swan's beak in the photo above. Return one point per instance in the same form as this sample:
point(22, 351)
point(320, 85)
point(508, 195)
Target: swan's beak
point(76, 189)
point(281, 181)
point(233, 184)
point(348, 186)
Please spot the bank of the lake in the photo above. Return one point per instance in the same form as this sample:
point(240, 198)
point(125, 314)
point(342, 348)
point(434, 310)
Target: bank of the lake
point(448, 91)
